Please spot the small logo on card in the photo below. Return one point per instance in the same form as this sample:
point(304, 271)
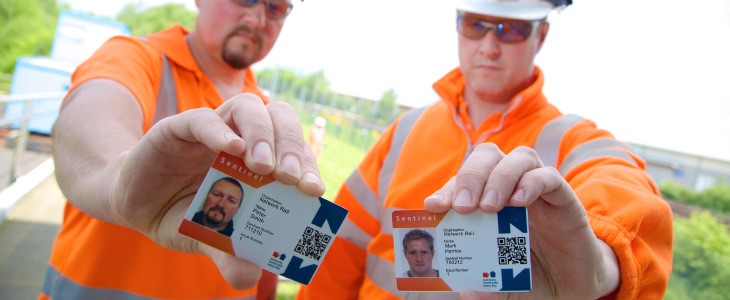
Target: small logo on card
point(489, 279)
point(281, 256)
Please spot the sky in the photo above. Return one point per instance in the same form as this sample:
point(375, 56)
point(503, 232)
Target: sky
point(653, 72)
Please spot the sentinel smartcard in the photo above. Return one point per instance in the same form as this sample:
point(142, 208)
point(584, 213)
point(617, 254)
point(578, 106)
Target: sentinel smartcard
point(255, 217)
point(456, 252)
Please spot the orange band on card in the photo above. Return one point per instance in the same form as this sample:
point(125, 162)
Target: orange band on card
point(206, 235)
point(234, 166)
point(422, 284)
point(416, 218)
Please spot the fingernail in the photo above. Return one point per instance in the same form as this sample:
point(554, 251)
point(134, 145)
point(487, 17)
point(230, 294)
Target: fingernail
point(463, 198)
point(230, 136)
point(262, 154)
point(290, 165)
point(519, 195)
point(310, 177)
point(491, 198)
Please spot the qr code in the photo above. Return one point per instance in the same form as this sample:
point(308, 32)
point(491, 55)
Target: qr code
point(512, 250)
point(312, 243)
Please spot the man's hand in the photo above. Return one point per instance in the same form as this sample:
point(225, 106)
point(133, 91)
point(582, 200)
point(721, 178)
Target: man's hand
point(112, 171)
point(568, 261)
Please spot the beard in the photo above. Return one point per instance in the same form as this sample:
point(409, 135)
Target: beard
point(241, 56)
point(215, 220)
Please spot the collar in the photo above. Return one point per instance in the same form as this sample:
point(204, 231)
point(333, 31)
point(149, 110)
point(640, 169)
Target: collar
point(451, 90)
point(171, 42)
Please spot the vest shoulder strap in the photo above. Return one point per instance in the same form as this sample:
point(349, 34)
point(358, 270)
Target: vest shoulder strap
point(167, 94)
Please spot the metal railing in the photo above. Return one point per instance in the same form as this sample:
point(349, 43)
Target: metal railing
point(22, 132)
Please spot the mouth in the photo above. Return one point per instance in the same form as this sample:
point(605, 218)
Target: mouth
point(217, 210)
point(248, 36)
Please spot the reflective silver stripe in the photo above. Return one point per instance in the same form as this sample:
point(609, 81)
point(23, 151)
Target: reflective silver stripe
point(58, 287)
point(548, 142)
point(596, 154)
point(167, 95)
point(396, 144)
point(594, 149)
point(354, 234)
point(386, 220)
point(363, 193)
point(382, 273)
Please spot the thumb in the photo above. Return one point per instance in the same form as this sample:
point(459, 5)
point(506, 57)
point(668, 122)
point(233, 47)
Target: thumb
point(239, 273)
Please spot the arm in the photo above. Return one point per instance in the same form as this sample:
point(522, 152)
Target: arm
point(569, 262)
point(113, 171)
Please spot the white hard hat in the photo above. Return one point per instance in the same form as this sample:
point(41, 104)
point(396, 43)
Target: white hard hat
point(511, 9)
point(319, 121)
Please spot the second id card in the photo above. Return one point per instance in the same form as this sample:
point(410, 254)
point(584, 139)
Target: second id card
point(455, 252)
point(270, 224)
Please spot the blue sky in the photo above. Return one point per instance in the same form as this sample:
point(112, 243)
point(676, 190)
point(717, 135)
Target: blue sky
point(653, 72)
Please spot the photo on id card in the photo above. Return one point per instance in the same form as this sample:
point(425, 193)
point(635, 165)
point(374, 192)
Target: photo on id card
point(257, 218)
point(462, 252)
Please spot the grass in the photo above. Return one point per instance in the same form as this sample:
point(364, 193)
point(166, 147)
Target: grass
point(286, 290)
point(336, 162)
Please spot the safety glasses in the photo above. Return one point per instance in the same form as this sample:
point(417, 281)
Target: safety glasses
point(475, 27)
point(275, 9)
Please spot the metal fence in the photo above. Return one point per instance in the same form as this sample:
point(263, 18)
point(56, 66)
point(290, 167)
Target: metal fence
point(16, 127)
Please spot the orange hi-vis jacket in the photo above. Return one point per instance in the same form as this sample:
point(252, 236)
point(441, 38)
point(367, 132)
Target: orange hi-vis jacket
point(96, 260)
point(422, 150)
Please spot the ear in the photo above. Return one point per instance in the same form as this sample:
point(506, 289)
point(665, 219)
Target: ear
point(542, 32)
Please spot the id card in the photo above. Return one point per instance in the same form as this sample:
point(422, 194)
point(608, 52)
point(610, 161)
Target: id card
point(456, 252)
point(254, 217)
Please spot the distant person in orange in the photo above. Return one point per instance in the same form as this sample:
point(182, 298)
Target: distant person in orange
point(316, 136)
point(221, 204)
point(418, 248)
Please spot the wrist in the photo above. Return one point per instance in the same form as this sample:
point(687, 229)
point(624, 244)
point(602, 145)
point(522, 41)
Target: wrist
point(611, 275)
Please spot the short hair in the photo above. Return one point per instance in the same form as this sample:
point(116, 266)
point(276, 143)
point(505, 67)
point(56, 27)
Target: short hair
point(231, 180)
point(417, 234)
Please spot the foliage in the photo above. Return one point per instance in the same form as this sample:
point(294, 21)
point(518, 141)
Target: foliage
point(312, 87)
point(701, 258)
point(387, 108)
point(27, 28)
point(674, 191)
point(716, 197)
point(145, 21)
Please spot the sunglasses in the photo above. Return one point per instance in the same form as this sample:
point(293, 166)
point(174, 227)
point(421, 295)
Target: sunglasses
point(275, 9)
point(513, 31)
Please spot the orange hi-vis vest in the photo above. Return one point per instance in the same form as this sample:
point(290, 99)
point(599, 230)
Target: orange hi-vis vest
point(96, 260)
point(422, 150)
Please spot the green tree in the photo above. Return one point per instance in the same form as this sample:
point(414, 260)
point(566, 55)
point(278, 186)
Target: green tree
point(386, 107)
point(144, 21)
point(26, 29)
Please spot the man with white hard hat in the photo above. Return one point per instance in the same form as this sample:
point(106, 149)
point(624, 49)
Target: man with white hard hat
point(598, 226)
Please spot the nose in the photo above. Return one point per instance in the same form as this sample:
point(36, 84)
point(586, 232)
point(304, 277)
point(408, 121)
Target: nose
point(256, 16)
point(489, 45)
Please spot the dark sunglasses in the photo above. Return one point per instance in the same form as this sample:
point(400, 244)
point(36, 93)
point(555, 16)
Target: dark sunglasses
point(474, 27)
point(275, 9)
